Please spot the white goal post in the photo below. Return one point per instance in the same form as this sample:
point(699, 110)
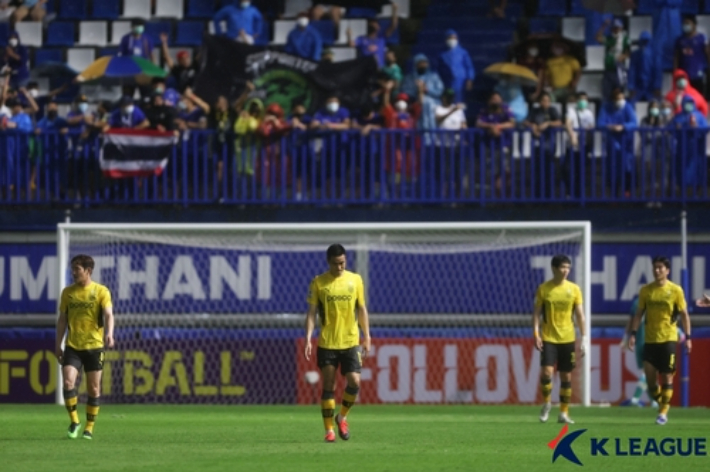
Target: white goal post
point(214, 313)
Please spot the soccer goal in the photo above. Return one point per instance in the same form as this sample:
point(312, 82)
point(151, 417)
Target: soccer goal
point(214, 313)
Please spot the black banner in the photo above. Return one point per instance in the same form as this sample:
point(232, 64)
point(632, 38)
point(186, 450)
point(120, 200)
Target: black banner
point(226, 66)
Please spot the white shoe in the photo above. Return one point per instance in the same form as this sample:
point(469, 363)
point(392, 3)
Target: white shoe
point(564, 418)
point(545, 412)
point(662, 419)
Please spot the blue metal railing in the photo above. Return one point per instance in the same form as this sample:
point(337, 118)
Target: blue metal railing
point(384, 166)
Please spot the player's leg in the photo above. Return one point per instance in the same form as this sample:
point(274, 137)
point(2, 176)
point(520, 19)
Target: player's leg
point(641, 384)
point(666, 369)
point(350, 367)
point(93, 367)
point(650, 355)
point(328, 362)
point(548, 359)
point(565, 366)
point(70, 372)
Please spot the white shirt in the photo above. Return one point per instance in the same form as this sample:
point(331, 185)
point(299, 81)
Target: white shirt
point(5, 111)
point(453, 121)
point(581, 118)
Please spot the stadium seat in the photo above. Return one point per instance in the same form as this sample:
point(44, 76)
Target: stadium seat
point(544, 25)
point(402, 11)
point(552, 8)
point(326, 28)
point(60, 33)
point(48, 55)
point(591, 82)
point(30, 33)
point(384, 24)
point(573, 28)
point(153, 29)
point(72, 9)
point(690, 7)
point(281, 30)
point(343, 54)
point(118, 30)
point(169, 9)
point(637, 24)
point(136, 9)
point(189, 33)
point(358, 27)
point(294, 7)
point(108, 51)
point(80, 58)
point(595, 58)
point(93, 33)
point(703, 24)
point(106, 9)
point(202, 8)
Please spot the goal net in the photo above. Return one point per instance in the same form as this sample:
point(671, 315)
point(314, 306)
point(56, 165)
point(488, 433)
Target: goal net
point(215, 313)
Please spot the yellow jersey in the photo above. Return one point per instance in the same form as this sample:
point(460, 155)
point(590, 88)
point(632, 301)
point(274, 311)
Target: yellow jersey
point(662, 303)
point(337, 298)
point(84, 307)
point(557, 303)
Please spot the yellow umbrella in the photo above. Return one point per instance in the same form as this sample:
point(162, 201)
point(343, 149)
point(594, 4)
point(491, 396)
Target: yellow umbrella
point(509, 69)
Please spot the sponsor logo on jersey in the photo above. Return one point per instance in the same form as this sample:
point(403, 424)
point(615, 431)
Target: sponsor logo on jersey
point(338, 298)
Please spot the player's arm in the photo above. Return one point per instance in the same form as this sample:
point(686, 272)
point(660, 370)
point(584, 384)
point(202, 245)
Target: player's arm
point(363, 318)
point(108, 319)
point(310, 326)
point(579, 317)
point(635, 323)
point(537, 312)
point(61, 331)
point(685, 321)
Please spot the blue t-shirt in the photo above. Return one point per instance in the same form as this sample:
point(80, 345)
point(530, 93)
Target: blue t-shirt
point(324, 116)
point(193, 116)
point(371, 47)
point(691, 55)
point(119, 120)
point(237, 18)
point(45, 124)
point(141, 46)
point(24, 122)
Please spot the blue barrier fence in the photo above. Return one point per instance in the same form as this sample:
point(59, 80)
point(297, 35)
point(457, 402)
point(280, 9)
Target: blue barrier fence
point(384, 166)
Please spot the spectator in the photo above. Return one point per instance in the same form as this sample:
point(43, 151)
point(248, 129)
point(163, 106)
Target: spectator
point(275, 164)
point(402, 148)
point(160, 116)
point(450, 168)
point(666, 29)
point(221, 119)
point(691, 134)
point(128, 116)
point(304, 40)
point(656, 147)
point(580, 126)
point(137, 43)
point(645, 73)
point(301, 120)
point(17, 61)
point(682, 88)
point(512, 92)
point(40, 100)
point(50, 141)
point(368, 159)
point(183, 72)
point(246, 144)
point(392, 69)
point(324, 12)
point(667, 111)
point(373, 44)
point(244, 22)
point(562, 73)
point(494, 120)
point(542, 121)
point(532, 60)
point(6, 10)
point(617, 51)
point(36, 9)
point(455, 67)
point(619, 117)
point(691, 54)
point(192, 111)
point(334, 150)
point(428, 81)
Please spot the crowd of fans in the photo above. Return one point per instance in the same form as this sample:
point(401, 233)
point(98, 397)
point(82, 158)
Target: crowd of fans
point(430, 96)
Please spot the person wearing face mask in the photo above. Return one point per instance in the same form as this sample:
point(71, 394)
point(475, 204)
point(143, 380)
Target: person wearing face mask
point(392, 69)
point(617, 50)
point(580, 126)
point(304, 40)
point(137, 43)
point(529, 56)
point(543, 121)
point(36, 9)
point(448, 164)
point(273, 170)
point(183, 70)
point(127, 115)
point(691, 54)
point(656, 147)
point(495, 120)
point(244, 22)
point(51, 140)
point(424, 82)
point(456, 68)
point(192, 111)
point(645, 73)
point(333, 122)
point(562, 73)
point(373, 43)
point(619, 118)
point(17, 60)
point(682, 88)
point(690, 132)
point(247, 143)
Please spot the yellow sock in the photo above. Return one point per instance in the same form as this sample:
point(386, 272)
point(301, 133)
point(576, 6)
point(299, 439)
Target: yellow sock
point(666, 395)
point(70, 401)
point(92, 411)
point(655, 393)
point(327, 406)
point(349, 398)
point(546, 388)
point(565, 396)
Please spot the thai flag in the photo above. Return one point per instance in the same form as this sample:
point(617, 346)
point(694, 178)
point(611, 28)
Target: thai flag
point(135, 152)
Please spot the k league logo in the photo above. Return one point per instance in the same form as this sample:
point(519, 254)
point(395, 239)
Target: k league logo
point(562, 445)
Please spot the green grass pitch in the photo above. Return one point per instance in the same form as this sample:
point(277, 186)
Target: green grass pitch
point(290, 438)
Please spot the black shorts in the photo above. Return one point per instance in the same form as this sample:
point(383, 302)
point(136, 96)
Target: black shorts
point(561, 354)
point(661, 356)
point(91, 359)
point(349, 360)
